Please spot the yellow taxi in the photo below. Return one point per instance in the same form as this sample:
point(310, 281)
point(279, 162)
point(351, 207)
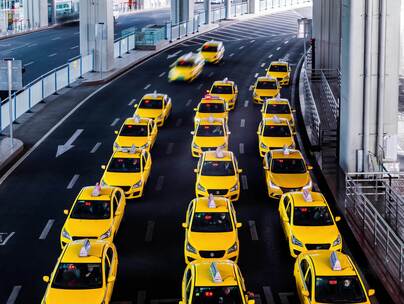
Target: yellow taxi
point(84, 273)
point(211, 106)
point(274, 133)
point(211, 230)
point(186, 68)
point(227, 90)
point(128, 169)
point(278, 107)
point(212, 51)
point(209, 134)
point(212, 282)
point(308, 223)
point(286, 171)
point(155, 106)
point(96, 213)
point(326, 276)
point(265, 88)
point(281, 71)
point(136, 131)
point(218, 174)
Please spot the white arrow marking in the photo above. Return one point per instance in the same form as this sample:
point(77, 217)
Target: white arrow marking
point(175, 54)
point(4, 242)
point(69, 144)
point(14, 294)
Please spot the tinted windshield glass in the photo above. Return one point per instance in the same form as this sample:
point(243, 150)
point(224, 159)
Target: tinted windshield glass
point(78, 276)
point(278, 68)
point(207, 107)
point(278, 109)
point(91, 210)
point(124, 165)
point(339, 289)
point(210, 130)
point(211, 222)
point(288, 165)
point(266, 85)
point(217, 295)
point(217, 168)
point(222, 89)
point(276, 131)
point(209, 48)
point(312, 216)
point(134, 130)
point(151, 104)
point(184, 63)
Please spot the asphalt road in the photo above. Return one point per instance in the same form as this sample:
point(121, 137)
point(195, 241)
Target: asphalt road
point(36, 191)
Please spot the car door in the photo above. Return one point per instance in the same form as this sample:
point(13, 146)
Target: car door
point(283, 204)
point(303, 268)
point(267, 165)
point(188, 286)
point(120, 208)
point(288, 218)
point(146, 160)
point(110, 262)
point(259, 132)
point(188, 220)
point(153, 132)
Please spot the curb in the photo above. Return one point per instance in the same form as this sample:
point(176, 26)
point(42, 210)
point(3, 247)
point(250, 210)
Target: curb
point(8, 155)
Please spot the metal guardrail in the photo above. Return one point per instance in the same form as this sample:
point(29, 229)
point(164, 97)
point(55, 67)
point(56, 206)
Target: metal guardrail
point(124, 44)
point(332, 101)
point(375, 208)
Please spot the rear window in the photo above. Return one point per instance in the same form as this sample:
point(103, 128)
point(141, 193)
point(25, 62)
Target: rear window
point(151, 104)
point(119, 164)
point(208, 107)
point(210, 130)
point(91, 210)
point(278, 109)
point(134, 130)
point(185, 63)
point(209, 48)
point(266, 85)
point(278, 68)
point(222, 89)
point(276, 131)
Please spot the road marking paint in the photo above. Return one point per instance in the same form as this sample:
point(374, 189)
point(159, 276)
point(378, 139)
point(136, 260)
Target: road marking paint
point(4, 242)
point(211, 74)
point(199, 86)
point(179, 122)
point(263, 64)
point(241, 148)
point(73, 181)
point(14, 294)
point(76, 33)
point(141, 297)
point(147, 86)
point(256, 75)
point(74, 47)
point(52, 55)
point(164, 301)
point(170, 148)
point(269, 297)
point(241, 47)
point(95, 148)
point(56, 38)
point(29, 63)
point(257, 299)
point(252, 41)
point(231, 55)
point(246, 103)
point(114, 122)
point(188, 102)
point(132, 102)
point(286, 42)
point(244, 181)
point(270, 56)
point(69, 143)
point(242, 123)
point(160, 183)
point(149, 231)
point(46, 229)
point(283, 296)
point(33, 44)
point(253, 230)
point(278, 48)
point(162, 74)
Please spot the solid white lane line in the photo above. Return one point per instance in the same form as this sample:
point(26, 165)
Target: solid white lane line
point(242, 123)
point(256, 75)
point(149, 231)
point(278, 48)
point(241, 148)
point(74, 47)
point(147, 86)
point(52, 55)
point(14, 294)
point(114, 122)
point(231, 55)
point(188, 102)
point(179, 122)
point(244, 181)
point(29, 63)
point(170, 148)
point(263, 64)
point(286, 42)
point(132, 102)
point(46, 229)
point(253, 230)
point(162, 74)
point(246, 103)
point(199, 86)
point(160, 183)
point(95, 148)
point(141, 297)
point(270, 56)
point(4, 242)
point(283, 296)
point(269, 297)
point(73, 181)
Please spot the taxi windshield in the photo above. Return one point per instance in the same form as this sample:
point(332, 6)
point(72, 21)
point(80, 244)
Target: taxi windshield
point(151, 104)
point(210, 130)
point(218, 168)
point(266, 85)
point(288, 165)
point(211, 222)
point(278, 68)
point(222, 89)
point(278, 109)
point(215, 295)
point(91, 210)
point(276, 131)
point(209, 48)
point(312, 216)
point(208, 107)
point(78, 276)
point(119, 164)
point(184, 63)
point(339, 289)
point(134, 130)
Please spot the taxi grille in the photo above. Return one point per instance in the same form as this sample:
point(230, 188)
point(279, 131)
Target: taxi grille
point(279, 78)
point(124, 188)
point(285, 190)
point(212, 254)
point(75, 238)
point(208, 149)
point(317, 246)
point(218, 191)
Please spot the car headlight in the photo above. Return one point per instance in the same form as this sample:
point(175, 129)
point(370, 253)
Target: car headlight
point(116, 145)
point(190, 248)
point(195, 146)
point(65, 234)
point(201, 188)
point(144, 146)
point(272, 185)
point(263, 146)
point(137, 185)
point(103, 183)
point(106, 234)
point(233, 248)
point(234, 188)
point(307, 186)
point(337, 240)
point(296, 242)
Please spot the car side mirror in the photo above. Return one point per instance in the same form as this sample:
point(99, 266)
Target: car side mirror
point(305, 293)
point(45, 279)
point(337, 218)
point(116, 132)
point(239, 225)
point(258, 133)
point(135, 106)
point(309, 167)
point(294, 133)
point(228, 133)
point(293, 111)
point(103, 167)
point(371, 292)
point(266, 168)
point(66, 212)
point(195, 170)
point(184, 225)
point(195, 109)
point(192, 133)
point(240, 170)
point(252, 87)
point(207, 91)
point(111, 279)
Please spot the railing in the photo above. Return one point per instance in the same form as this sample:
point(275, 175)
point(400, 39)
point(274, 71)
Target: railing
point(332, 101)
point(372, 222)
point(124, 44)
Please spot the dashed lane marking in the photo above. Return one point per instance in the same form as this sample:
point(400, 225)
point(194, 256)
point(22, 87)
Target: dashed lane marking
point(231, 55)
point(95, 148)
point(246, 103)
point(283, 296)
point(211, 74)
point(244, 182)
point(141, 297)
point(147, 86)
point(52, 55)
point(76, 33)
point(252, 41)
point(56, 38)
point(29, 63)
point(269, 297)
point(162, 74)
point(241, 148)
point(3, 241)
point(46, 229)
point(286, 42)
point(256, 75)
point(187, 104)
point(170, 148)
point(270, 56)
point(149, 231)
point(253, 230)
point(160, 183)
point(278, 48)
point(74, 47)
point(178, 123)
point(73, 181)
point(114, 122)
point(242, 123)
point(263, 64)
point(14, 294)
point(132, 102)
point(199, 86)
point(241, 47)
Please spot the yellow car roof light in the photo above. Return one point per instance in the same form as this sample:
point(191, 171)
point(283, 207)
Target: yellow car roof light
point(211, 202)
point(214, 272)
point(335, 262)
point(85, 250)
point(307, 196)
point(97, 190)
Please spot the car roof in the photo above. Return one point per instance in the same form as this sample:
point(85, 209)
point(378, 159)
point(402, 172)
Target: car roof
point(279, 62)
point(189, 57)
point(202, 204)
point(273, 122)
point(278, 153)
point(317, 199)
point(203, 277)
point(72, 252)
point(277, 101)
point(223, 82)
point(266, 78)
point(211, 121)
point(154, 95)
point(213, 43)
point(322, 264)
point(212, 99)
point(211, 155)
point(120, 154)
point(139, 121)
point(105, 193)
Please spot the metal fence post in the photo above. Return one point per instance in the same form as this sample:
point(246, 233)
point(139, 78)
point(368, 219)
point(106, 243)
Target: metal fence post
point(29, 98)
point(56, 83)
point(43, 90)
point(68, 74)
point(15, 106)
point(81, 67)
point(120, 49)
point(127, 44)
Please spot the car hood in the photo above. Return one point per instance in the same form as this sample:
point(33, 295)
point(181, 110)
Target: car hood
point(265, 93)
point(290, 180)
point(278, 74)
point(278, 142)
point(128, 141)
point(209, 55)
point(87, 228)
point(121, 179)
point(181, 71)
point(149, 113)
point(207, 115)
point(285, 116)
point(218, 182)
point(212, 241)
point(315, 234)
point(69, 296)
point(209, 141)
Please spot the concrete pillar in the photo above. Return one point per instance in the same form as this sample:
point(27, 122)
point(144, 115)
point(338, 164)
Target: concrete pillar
point(227, 4)
point(36, 12)
point(95, 36)
point(182, 10)
point(253, 6)
point(208, 9)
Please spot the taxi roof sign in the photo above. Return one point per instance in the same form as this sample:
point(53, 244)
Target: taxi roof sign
point(133, 149)
point(225, 79)
point(137, 118)
point(211, 202)
point(214, 272)
point(286, 150)
point(307, 196)
point(335, 262)
point(211, 119)
point(219, 153)
point(276, 119)
point(97, 190)
point(84, 251)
